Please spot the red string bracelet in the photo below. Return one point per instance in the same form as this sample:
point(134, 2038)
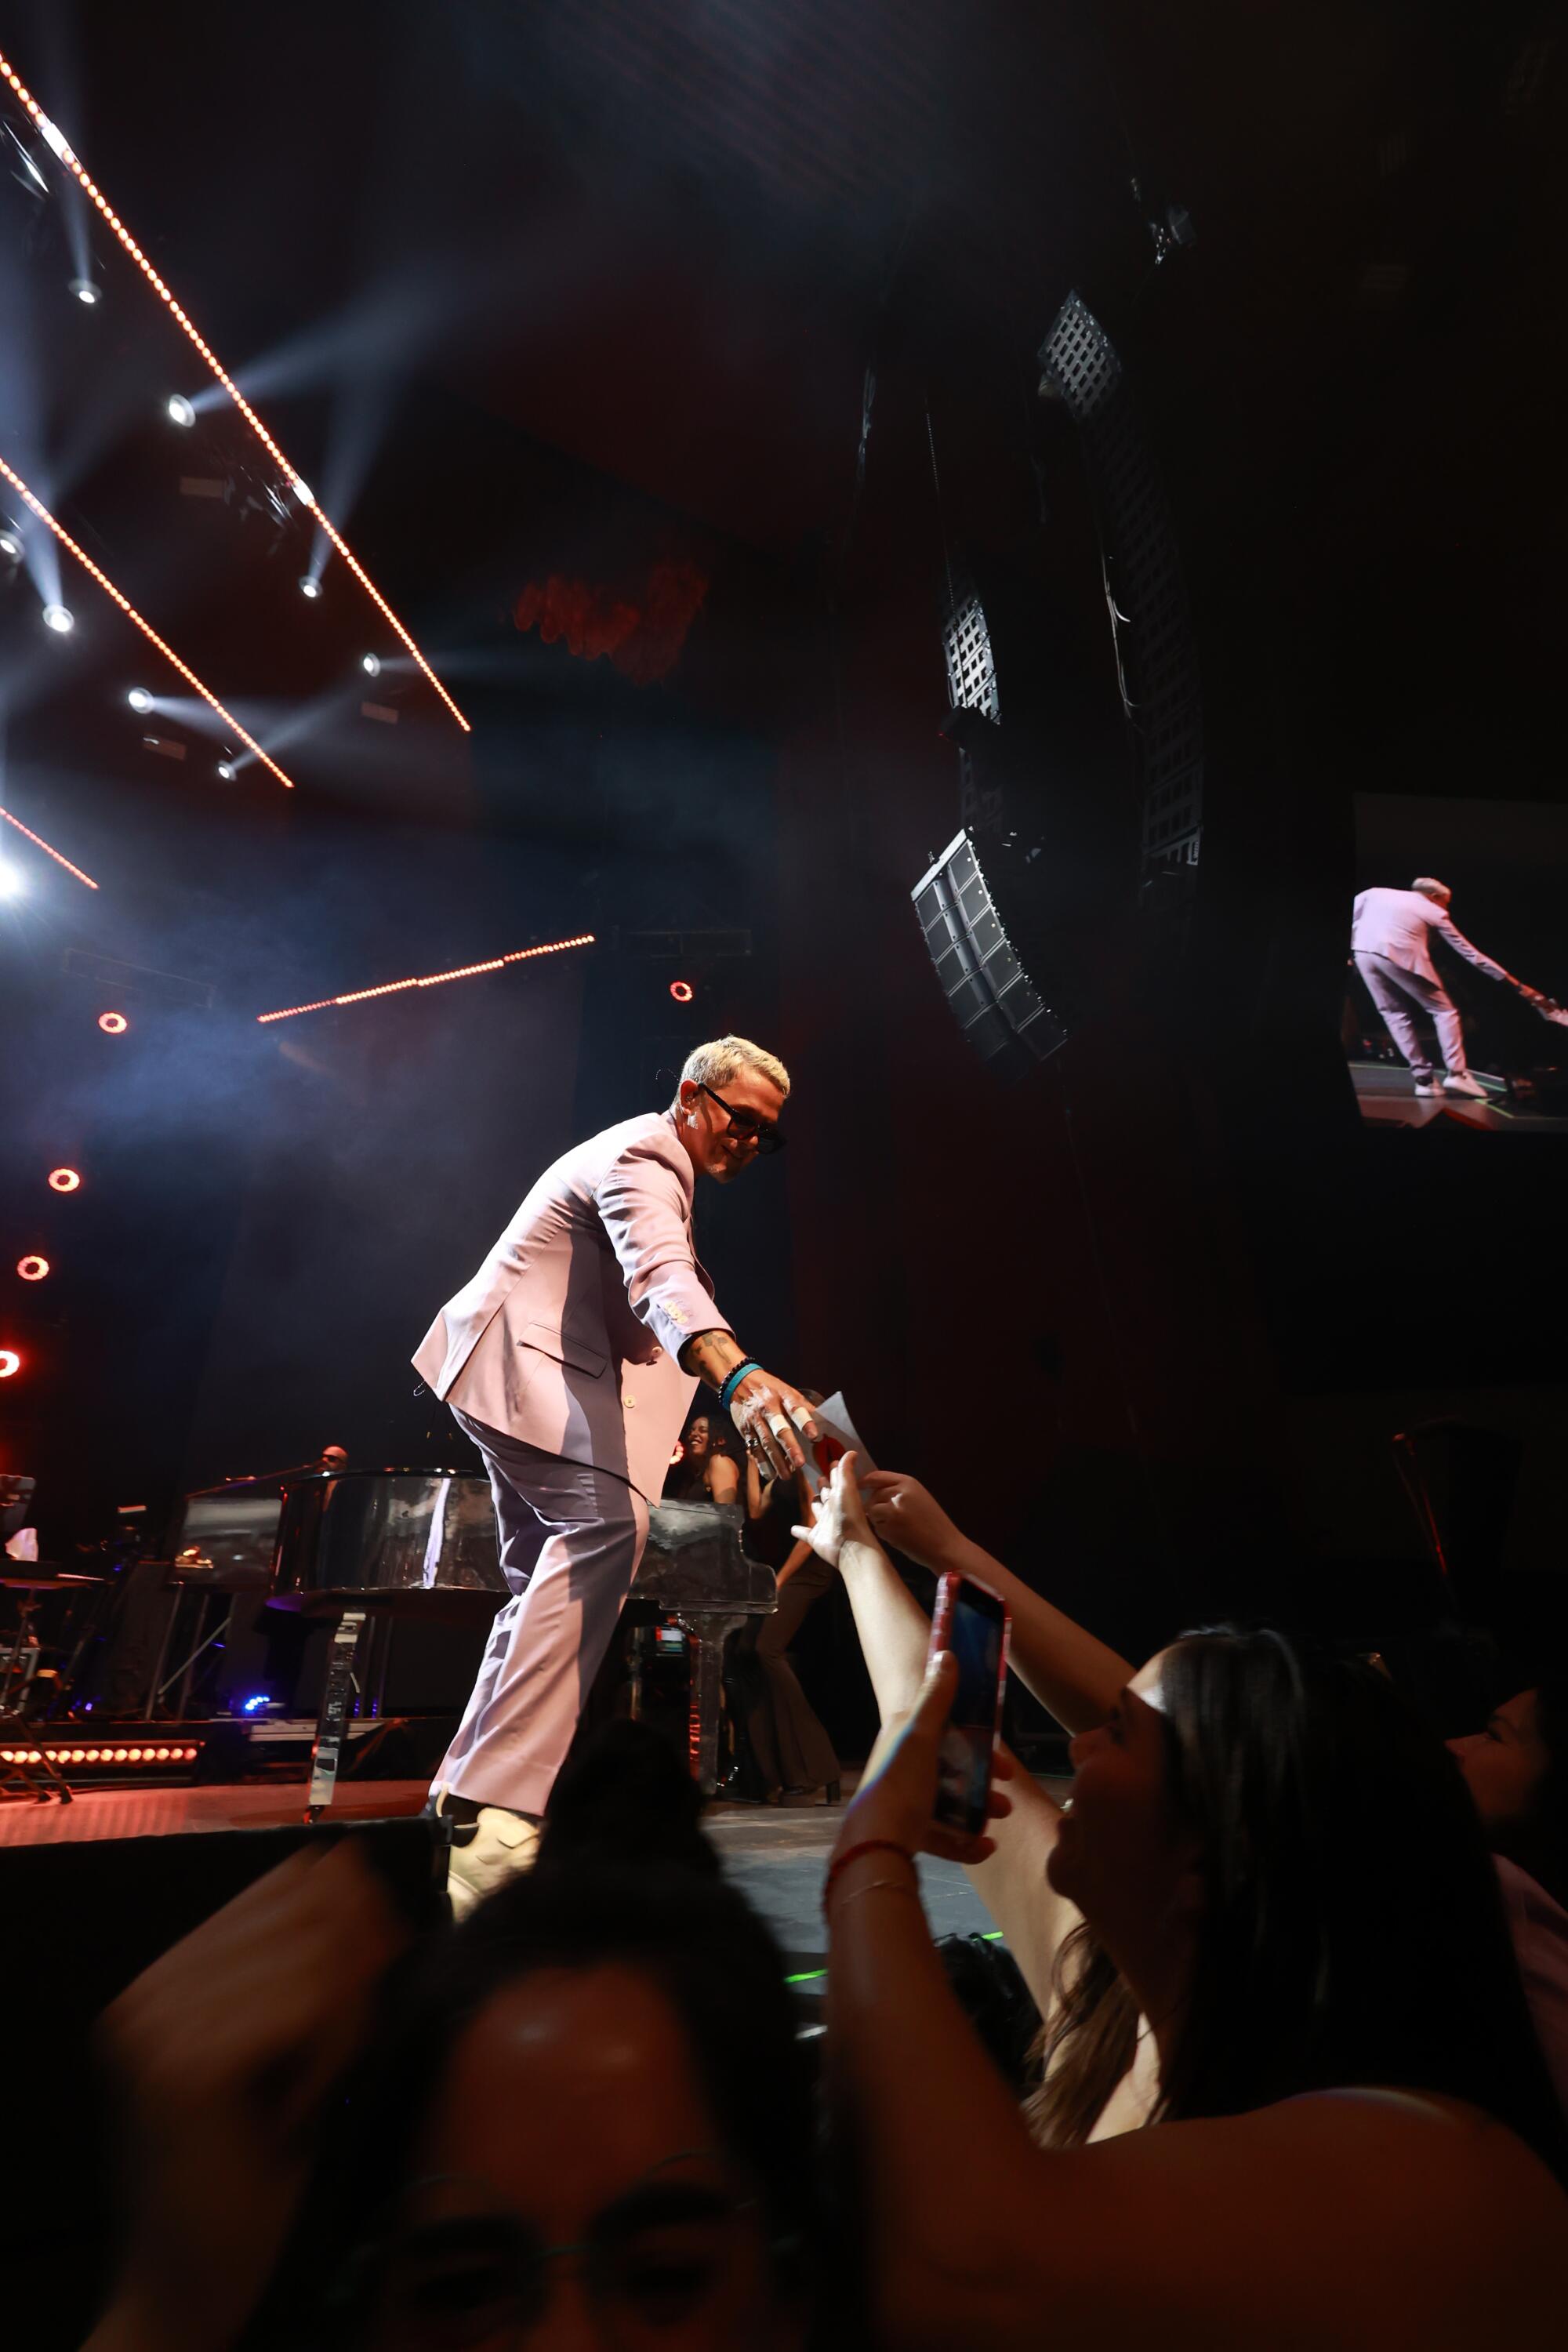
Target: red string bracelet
point(853, 1853)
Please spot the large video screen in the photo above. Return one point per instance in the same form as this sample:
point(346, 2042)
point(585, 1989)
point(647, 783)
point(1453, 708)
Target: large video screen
point(1458, 971)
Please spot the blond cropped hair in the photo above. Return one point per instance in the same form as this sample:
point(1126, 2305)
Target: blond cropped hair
point(724, 1057)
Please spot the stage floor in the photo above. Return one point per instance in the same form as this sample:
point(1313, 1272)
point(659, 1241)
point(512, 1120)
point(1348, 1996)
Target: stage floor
point(778, 1855)
point(1385, 1093)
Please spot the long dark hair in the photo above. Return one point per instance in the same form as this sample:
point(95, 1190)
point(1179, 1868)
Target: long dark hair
point(1352, 1932)
point(624, 1878)
point(1549, 1814)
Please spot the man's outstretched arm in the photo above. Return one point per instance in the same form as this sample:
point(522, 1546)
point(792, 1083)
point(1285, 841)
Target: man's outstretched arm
point(765, 1410)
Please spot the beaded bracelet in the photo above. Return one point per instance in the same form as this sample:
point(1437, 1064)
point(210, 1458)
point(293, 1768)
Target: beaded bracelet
point(853, 1853)
point(733, 1381)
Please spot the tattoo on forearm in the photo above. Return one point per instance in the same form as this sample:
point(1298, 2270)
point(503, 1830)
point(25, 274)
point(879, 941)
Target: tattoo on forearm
point(710, 1355)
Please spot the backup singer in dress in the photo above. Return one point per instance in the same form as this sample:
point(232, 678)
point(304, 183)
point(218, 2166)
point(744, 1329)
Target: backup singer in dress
point(570, 1360)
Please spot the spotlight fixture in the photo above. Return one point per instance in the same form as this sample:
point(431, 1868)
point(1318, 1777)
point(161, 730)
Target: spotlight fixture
point(59, 618)
point(32, 1268)
point(303, 492)
point(225, 772)
point(35, 506)
point(39, 843)
point(371, 665)
point(86, 291)
point(11, 883)
point(60, 145)
point(432, 979)
point(180, 410)
point(310, 585)
point(113, 1024)
point(683, 991)
point(140, 701)
point(10, 1362)
point(64, 1180)
point(10, 547)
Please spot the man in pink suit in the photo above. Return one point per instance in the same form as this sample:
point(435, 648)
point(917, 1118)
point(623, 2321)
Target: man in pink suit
point(1391, 943)
point(570, 1360)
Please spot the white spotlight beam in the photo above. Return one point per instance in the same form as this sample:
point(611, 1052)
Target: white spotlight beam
point(431, 979)
point(36, 506)
point(39, 843)
point(57, 142)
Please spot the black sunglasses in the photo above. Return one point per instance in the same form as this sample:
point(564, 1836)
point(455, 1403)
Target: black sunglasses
point(763, 1132)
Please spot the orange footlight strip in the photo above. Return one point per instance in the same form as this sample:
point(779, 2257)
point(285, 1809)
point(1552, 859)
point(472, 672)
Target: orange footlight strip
point(39, 843)
point(58, 145)
point(37, 507)
point(432, 979)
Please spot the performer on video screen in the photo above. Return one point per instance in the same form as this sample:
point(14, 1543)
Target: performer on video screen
point(1392, 945)
point(570, 1359)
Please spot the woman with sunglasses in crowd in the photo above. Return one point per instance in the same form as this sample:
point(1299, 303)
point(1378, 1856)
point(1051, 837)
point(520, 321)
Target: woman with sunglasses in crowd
point(1344, 2133)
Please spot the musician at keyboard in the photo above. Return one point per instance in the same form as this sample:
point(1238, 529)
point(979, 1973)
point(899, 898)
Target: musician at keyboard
point(570, 1360)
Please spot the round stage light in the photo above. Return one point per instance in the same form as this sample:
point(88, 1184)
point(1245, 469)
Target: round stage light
point(139, 698)
point(310, 585)
point(64, 1180)
point(11, 883)
point(225, 770)
point(113, 1024)
point(683, 991)
point(10, 1361)
point(10, 547)
point(86, 291)
point(32, 1268)
point(59, 618)
point(303, 492)
point(180, 409)
point(371, 665)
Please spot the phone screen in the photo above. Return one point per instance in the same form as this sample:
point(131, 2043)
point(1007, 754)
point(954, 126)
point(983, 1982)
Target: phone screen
point(972, 1623)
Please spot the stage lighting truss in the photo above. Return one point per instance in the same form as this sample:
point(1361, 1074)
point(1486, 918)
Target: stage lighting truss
point(60, 146)
point(35, 506)
point(432, 979)
point(39, 843)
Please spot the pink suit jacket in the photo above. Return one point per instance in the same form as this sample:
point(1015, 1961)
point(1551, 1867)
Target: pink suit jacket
point(1399, 924)
point(568, 1335)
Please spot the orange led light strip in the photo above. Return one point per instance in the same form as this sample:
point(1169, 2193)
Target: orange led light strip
point(39, 843)
point(57, 143)
point(148, 631)
point(431, 979)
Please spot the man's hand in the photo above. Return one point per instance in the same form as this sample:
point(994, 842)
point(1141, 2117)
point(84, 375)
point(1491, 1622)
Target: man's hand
point(761, 1408)
point(908, 1515)
point(767, 1412)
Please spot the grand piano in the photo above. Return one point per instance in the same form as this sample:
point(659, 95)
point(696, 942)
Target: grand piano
point(375, 1549)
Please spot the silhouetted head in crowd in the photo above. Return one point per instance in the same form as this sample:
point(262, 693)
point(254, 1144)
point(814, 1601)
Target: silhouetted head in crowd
point(591, 2116)
point(1278, 1865)
point(1517, 1773)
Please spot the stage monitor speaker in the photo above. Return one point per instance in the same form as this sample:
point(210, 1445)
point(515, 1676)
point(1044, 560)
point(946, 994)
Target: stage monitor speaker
point(994, 998)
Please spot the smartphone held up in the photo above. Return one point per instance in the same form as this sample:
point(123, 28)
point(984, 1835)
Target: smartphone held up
point(970, 1620)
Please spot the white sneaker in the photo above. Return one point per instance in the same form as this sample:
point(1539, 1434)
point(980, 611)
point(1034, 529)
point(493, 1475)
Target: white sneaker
point(1433, 1089)
point(1464, 1085)
point(501, 1845)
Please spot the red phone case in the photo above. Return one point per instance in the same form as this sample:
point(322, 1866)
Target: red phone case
point(948, 1589)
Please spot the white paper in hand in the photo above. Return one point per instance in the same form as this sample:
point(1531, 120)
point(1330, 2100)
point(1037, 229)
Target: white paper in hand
point(832, 1417)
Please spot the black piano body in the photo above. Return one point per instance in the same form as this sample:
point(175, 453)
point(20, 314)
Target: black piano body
point(368, 1547)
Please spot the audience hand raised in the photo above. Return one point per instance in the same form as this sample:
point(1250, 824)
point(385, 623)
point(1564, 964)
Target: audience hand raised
point(226, 2049)
point(897, 1798)
point(907, 1514)
point(841, 1516)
